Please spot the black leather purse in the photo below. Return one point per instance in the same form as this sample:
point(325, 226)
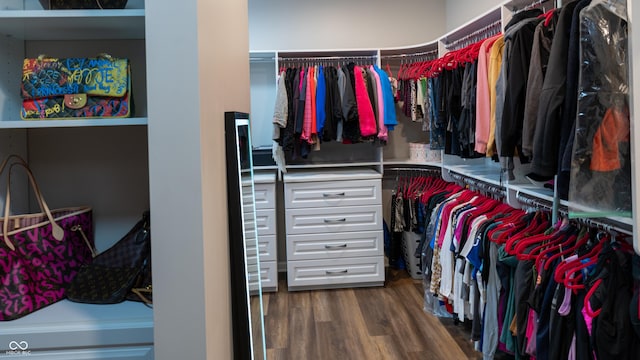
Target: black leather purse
point(83, 4)
point(119, 273)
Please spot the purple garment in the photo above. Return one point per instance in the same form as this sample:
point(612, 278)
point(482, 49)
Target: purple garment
point(565, 308)
point(502, 311)
point(532, 329)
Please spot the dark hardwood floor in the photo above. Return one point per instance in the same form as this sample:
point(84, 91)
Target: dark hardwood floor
point(362, 323)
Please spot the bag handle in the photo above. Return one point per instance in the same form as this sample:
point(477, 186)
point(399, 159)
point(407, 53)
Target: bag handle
point(20, 160)
point(57, 231)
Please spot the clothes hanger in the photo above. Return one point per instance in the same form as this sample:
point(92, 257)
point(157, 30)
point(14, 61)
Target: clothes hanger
point(508, 224)
point(524, 234)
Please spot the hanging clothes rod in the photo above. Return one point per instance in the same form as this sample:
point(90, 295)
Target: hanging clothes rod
point(479, 184)
point(537, 203)
point(423, 53)
point(590, 222)
point(491, 29)
point(324, 58)
point(533, 5)
point(414, 169)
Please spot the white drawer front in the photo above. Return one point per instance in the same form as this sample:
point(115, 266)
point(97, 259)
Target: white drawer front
point(334, 245)
point(335, 271)
point(266, 222)
point(336, 193)
point(269, 275)
point(265, 196)
point(329, 220)
point(267, 247)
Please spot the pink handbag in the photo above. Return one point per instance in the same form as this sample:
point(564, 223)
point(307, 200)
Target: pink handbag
point(40, 253)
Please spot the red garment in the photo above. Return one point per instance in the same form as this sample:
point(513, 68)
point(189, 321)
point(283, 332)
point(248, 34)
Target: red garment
point(365, 110)
point(614, 129)
point(306, 122)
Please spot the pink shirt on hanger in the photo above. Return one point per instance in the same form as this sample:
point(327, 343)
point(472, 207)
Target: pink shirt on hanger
point(383, 133)
point(483, 96)
point(365, 110)
point(308, 109)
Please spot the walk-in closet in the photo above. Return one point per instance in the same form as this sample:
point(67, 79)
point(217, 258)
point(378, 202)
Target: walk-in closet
point(504, 178)
point(336, 179)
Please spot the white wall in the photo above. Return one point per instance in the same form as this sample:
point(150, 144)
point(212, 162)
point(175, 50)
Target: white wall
point(461, 11)
point(191, 278)
point(340, 24)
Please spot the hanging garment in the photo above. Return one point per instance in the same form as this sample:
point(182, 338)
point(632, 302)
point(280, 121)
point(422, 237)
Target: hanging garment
point(604, 190)
point(321, 99)
point(313, 132)
point(309, 107)
point(438, 126)
point(390, 120)
point(516, 85)
point(467, 123)
point(537, 69)
point(495, 64)
point(365, 111)
point(280, 112)
point(547, 129)
point(511, 29)
point(383, 134)
point(333, 105)
point(567, 128)
point(351, 127)
point(483, 97)
point(287, 134)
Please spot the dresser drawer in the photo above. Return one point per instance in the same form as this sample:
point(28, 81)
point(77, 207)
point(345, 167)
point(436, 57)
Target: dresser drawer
point(265, 196)
point(267, 247)
point(328, 272)
point(266, 222)
point(269, 275)
point(332, 193)
point(334, 245)
point(333, 219)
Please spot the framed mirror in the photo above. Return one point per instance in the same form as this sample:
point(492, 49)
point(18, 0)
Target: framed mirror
point(246, 291)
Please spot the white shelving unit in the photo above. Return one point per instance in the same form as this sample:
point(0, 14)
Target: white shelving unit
point(169, 157)
point(99, 162)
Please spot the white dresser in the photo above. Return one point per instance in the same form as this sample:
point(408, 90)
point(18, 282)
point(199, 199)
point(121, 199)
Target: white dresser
point(334, 234)
point(265, 202)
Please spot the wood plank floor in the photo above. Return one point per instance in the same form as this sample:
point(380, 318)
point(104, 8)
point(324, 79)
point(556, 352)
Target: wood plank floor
point(363, 323)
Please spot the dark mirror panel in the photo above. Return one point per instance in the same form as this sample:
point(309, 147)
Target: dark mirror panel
point(247, 312)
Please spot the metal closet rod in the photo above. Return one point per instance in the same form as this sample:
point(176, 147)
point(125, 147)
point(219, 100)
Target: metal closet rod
point(321, 58)
point(497, 25)
point(533, 5)
point(414, 169)
point(494, 189)
point(539, 203)
point(423, 53)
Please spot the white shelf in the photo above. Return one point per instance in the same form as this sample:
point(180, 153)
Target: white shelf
point(66, 324)
point(73, 24)
point(332, 165)
point(33, 124)
point(479, 172)
point(408, 162)
point(535, 191)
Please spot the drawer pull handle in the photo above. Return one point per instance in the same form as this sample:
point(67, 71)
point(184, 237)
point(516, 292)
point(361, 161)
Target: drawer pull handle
point(337, 272)
point(334, 195)
point(329, 221)
point(343, 246)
